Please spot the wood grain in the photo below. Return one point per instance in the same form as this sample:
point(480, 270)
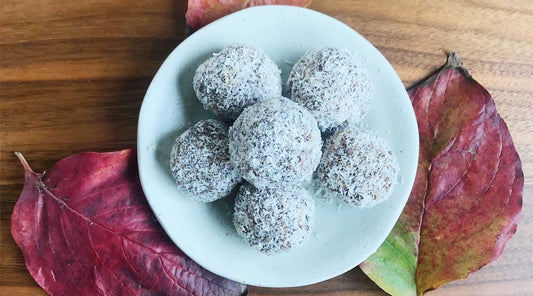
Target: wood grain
point(73, 75)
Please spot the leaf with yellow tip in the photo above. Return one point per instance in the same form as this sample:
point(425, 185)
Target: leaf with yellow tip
point(467, 195)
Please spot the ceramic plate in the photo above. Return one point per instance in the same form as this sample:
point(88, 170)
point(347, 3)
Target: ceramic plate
point(343, 235)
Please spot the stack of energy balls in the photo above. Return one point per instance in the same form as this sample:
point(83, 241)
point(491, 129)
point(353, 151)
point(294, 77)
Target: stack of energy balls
point(272, 146)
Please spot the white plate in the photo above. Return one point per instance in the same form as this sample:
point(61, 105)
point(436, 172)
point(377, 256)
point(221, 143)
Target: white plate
point(343, 236)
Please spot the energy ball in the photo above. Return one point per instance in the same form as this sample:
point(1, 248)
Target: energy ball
point(271, 220)
point(275, 143)
point(358, 167)
point(332, 84)
point(200, 162)
point(235, 78)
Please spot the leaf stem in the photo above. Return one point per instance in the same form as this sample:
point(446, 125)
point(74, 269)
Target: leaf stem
point(453, 61)
point(24, 162)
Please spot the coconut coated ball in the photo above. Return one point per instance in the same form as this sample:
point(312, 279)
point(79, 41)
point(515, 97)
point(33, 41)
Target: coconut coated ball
point(275, 143)
point(272, 220)
point(235, 78)
point(333, 85)
point(358, 167)
point(200, 162)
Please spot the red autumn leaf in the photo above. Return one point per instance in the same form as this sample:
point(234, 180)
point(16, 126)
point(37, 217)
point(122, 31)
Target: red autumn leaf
point(202, 12)
point(85, 229)
point(467, 194)
point(302, 3)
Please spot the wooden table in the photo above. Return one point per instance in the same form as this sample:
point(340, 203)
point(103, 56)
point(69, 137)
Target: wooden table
point(73, 75)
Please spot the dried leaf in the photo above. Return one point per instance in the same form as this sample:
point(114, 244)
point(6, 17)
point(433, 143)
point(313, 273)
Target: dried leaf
point(302, 3)
point(85, 229)
point(467, 195)
point(202, 12)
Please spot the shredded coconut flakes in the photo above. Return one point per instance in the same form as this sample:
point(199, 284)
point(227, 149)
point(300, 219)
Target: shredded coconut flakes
point(332, 84)
point(274, 220)
point(358, 167)
point(200, 162)
point(235, 78)
point(275, 143)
